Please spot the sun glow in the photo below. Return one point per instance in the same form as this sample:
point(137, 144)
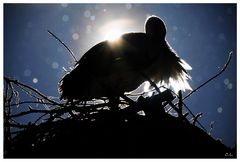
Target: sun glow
point(112, 30)
point(113, 35)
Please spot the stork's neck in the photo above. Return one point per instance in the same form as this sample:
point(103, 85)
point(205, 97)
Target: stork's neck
point(156, 37)
point(158, 40)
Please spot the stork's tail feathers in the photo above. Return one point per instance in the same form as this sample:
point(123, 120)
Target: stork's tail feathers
point(172, 72)
point(179, 79)
point(178, 76)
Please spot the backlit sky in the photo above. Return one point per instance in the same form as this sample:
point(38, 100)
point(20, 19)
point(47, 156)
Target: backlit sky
point(202, 34)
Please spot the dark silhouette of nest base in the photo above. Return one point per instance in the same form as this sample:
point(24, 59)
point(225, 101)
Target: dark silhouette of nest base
point(111, 134)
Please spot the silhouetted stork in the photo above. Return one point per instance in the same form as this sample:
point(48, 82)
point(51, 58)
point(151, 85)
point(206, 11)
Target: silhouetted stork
point(111, 68)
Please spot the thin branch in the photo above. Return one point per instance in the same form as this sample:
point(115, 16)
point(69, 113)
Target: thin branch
point(215, 76)
point(194, 120)
point(29, 102)
point(194, 117)
point(18, 125)
point(40, 118)
point(8, 100)
point(70, 51)
point(180, 103)
point(26, 91)
point(34, 90)
point(60, 110)
point(211, 127)
point(173, 106)
point(30, 112)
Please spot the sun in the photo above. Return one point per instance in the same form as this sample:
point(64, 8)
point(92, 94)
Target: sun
point(113, 29)
point(113, 35)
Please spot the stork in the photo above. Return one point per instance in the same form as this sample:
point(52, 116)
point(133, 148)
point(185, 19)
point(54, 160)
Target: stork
point(111, 68)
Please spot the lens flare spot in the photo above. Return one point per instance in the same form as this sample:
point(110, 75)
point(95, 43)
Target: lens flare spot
point(35, 80)
point(219, 110)
point(55, 65)
point(87, 13)
point(27, 72)
point(65, 18)
point(226, 81)
point(230, 86)
point(75, 36)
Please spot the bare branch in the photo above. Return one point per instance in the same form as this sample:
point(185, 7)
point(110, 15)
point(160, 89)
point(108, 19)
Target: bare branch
point(180, 103)
point(18, 125)
point(195, 119)
point(70, 51)
point(30, 112)
point(215, 76)
point(30, 102)
point(32, 89)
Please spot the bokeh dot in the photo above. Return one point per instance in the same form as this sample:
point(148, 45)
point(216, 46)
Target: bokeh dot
point(75, 36)
point(175, 28)
point(219, 109)
point(128, 6)
point(65, 18)
point(226, 81)
point(97, 7)
point(35, 80)
point(89, 29)
point(92, 18)
point(27, 72)
point(230, 86)
point(55, 65)
point(87, 13)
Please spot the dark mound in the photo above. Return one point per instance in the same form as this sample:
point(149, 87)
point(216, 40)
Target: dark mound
point(118, 134)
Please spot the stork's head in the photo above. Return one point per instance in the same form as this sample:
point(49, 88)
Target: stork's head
point(155, 26)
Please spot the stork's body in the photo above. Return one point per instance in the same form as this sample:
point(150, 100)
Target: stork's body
point(112, 68)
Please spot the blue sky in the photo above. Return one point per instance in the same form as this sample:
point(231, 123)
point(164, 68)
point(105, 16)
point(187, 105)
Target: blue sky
point(202, 34)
